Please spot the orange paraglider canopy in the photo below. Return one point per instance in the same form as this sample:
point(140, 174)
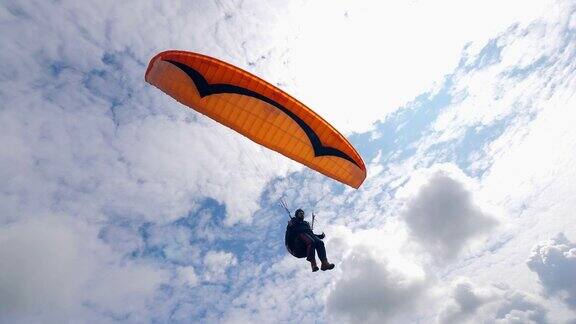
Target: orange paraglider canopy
point(257, 110)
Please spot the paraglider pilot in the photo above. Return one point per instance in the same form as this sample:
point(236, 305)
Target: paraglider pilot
point(301, 242)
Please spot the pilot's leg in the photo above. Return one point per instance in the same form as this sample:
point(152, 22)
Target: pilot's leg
point(310, 250)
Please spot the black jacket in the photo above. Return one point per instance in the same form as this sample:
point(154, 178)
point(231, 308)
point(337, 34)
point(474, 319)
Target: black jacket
point(299, 226)
point(294, 228)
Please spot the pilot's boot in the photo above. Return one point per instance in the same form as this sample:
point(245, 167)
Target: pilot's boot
point(314, 266)
point(326, 265)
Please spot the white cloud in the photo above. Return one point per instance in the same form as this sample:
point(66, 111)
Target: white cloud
point(42, 270)
point(122, 290)
point(55, 269)
point(384, 54)
point(288, 291)
point(85, 128)
point(285, 290)
point(554, 262)
point(470, 303)
point(216, 264)
point(172, 165)
point(174, 241)
point(466, 300)
point(375, 282)
point(441, 213)
point(187, 276)
point(83, 135)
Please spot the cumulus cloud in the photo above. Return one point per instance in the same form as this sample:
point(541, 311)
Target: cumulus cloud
point(56, 269)
point(441, 213)
point(42, 270)
point(554, 262)
point(187, 276)
point(216, 263)
point(369, 290)
point(466, 300)
point(89, 134)
point(470, 303)
point(83, 135)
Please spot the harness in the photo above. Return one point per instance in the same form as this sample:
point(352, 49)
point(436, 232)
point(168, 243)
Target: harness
point(293, 245)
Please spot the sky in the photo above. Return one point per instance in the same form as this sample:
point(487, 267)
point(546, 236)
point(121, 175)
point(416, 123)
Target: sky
point(117, 204)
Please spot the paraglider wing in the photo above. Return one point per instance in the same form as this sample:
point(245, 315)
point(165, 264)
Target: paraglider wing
point(257, 110)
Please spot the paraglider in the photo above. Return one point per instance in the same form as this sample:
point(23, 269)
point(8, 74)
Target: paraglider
point(301, 241)
point(268, 116)
point(257, 110)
